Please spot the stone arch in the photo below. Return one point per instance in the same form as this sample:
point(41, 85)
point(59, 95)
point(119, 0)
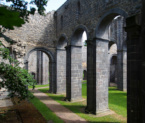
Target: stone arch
point(106, 19)
point(78, 34)
point(111, 43)
point(97, 67)
point(50, 55)
point(61, 64)
point(102, 31)
point(62, 41)
point(52, 79)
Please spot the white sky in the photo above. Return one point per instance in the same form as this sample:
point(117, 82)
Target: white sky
point(51, 5)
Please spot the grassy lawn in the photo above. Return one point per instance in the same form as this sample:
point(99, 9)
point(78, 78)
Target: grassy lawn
point(45, 111)
point(117, 103)
point(117, 100)
point(37, 86)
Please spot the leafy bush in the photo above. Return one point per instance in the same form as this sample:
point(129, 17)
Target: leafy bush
point(13, 77)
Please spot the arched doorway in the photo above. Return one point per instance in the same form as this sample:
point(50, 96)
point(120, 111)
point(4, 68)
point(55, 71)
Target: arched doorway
point(39, 61)
point(38, 66)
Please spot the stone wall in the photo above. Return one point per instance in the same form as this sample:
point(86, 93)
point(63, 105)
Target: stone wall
point(89, 13)
point(94, 17)
point(39, 31)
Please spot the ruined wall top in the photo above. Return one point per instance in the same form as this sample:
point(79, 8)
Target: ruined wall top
point(38, 31)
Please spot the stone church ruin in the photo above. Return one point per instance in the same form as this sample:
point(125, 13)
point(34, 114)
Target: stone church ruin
point(54, 51)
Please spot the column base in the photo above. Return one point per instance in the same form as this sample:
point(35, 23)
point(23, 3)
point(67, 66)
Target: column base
point(99, 113)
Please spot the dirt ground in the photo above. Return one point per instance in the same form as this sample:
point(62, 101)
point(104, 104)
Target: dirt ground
point(23, 112)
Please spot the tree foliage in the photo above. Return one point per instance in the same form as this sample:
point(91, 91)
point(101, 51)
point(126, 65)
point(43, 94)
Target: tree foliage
point(17, 14)
point(10, 18)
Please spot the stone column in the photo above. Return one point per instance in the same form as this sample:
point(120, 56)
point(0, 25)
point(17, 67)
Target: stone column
point(42, 79)
point(74, 73)
point(121, 70)
point(52, 77)
point(91, 76)
point(61, 71)
point(97, 82)
point(143, 64)
point(124, 70)
point(45, 68)
point(133, 70)
point(39, 67)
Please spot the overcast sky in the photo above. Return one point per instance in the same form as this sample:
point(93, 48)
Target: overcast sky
point(51, 5)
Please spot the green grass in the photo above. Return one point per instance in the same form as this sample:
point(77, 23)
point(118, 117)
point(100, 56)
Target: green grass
point(84, 90)
point(38, 86)
point(84, 81)
point(45, 111)
point(116, 103)
point(117, 100)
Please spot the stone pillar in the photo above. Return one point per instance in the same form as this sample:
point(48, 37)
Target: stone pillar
point(45, 68)
point(143, 64)
point(133, 70)
point(42, 79)
point(52, 77)
point(74, 73)
point(97, 82)
point(124, 70)
point(39, 67)
point(61, 70)
point(91, 76)
point(121, 70)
